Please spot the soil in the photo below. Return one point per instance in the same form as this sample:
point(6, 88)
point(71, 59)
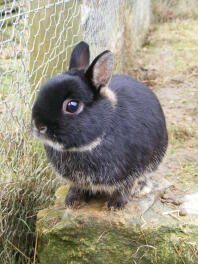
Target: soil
point(169, 65)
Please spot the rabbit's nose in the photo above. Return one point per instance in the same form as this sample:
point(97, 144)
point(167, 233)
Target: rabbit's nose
point(40, 127)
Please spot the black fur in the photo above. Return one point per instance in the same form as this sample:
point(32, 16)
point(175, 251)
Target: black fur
point(133, 132)
point(80, 56)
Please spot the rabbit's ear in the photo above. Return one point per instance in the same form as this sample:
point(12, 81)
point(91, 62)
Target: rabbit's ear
point(80, 56)
point(100, 71)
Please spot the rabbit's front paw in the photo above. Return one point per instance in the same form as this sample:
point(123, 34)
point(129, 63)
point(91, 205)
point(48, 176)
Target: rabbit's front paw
point(117, 201)
point(74, 197)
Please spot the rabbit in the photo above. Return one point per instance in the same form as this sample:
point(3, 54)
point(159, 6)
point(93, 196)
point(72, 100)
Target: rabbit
point(103, 133)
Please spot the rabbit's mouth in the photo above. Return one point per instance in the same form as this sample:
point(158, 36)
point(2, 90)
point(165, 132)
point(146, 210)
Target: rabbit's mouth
point(55, 145)
point(42, 135)
point(46, 140)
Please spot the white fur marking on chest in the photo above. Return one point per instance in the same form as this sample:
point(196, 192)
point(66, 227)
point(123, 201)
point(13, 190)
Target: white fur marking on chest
point(54, 145)
point(89, 147)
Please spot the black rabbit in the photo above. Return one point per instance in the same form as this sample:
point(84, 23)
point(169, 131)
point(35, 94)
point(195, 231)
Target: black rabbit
point(102, 133)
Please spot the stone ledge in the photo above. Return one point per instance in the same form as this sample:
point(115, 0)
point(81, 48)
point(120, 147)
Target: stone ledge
point(147, 231)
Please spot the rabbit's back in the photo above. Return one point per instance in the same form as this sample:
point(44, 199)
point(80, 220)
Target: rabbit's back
point(140, 122)
point(138, 112)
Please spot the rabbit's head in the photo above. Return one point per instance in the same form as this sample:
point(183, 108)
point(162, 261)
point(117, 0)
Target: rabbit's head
point(72, 110)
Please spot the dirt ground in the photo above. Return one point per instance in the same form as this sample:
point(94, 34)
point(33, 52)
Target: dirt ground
point(169, 65)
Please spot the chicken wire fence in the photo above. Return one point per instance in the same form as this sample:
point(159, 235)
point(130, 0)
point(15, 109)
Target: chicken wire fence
point(36, 38)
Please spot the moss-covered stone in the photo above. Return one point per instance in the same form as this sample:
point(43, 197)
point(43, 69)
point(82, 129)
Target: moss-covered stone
point(91, 234)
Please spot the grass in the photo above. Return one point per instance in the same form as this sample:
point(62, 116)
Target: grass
point(28, 186)
point(26, 180)
point(170, 51)
point(190, 168)
point(179, 134)
point(187, 176)
point(169, 10)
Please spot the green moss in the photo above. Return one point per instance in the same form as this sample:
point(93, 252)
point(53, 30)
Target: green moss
point(94, 242)
point(82, 236)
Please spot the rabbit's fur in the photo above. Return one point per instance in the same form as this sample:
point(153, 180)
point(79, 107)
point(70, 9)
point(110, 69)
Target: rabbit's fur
point(117, 137)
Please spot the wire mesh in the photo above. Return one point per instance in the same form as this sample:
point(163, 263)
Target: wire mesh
point(36, 38)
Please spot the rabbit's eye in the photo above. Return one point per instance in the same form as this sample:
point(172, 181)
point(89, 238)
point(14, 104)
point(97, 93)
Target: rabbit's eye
point(72, 106)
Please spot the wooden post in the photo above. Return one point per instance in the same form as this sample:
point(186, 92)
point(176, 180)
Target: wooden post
point(141, 20)
point(55, 27)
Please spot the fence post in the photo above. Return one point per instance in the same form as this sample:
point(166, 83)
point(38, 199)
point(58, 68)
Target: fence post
point(141, 20)
point(54, 27)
